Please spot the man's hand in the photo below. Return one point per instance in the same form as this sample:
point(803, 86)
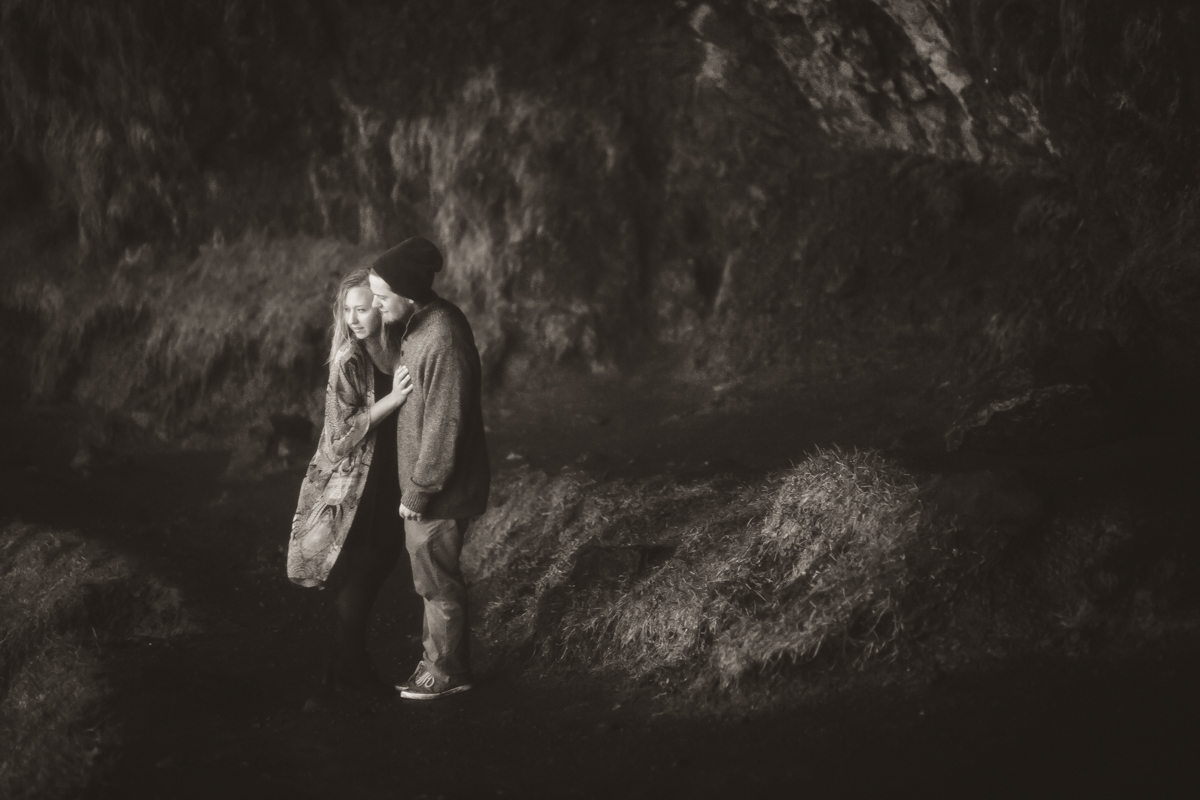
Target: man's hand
point(408, 513)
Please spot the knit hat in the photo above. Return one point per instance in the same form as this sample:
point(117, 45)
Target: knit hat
point(408, 268)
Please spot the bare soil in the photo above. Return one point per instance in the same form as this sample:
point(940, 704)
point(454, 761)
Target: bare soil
point(220, 711)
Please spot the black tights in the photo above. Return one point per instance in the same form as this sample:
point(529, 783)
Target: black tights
point(373, 546)
point(364, 569)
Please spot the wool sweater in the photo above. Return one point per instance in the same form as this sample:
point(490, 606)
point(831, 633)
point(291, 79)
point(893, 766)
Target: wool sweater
point(441, 450)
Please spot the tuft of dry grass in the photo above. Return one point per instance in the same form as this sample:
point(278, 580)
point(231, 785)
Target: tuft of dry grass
point(827, 568)
point(823, 570)
point(846, 562)
point(60, 598)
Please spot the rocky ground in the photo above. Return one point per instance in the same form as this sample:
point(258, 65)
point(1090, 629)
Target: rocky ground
point(219, 709)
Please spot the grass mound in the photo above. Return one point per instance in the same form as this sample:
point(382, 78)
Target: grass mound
point(54, 733)
point(60, 599)
point(552, 549)
point(827, 569)
point(828, 566)
point(847, 562)
point(722, 582)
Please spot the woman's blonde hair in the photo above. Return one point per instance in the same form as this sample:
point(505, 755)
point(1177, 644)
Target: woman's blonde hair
point(341, 331)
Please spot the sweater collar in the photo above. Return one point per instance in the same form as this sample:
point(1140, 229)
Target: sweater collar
point(419, 316)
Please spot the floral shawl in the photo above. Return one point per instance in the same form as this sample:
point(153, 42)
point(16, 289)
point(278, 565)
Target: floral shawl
point(337, 475)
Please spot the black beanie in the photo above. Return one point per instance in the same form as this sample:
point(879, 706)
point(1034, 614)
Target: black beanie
point(408, 268)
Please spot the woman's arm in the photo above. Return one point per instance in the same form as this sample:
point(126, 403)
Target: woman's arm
point(348, 418)
point(401, 386)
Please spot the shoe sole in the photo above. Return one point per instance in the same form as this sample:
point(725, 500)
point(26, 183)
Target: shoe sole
point(407, 695)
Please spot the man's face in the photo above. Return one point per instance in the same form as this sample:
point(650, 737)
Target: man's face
point(394, 308)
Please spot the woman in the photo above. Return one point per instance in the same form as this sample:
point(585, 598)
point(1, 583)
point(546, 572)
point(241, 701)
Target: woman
point(347, 534)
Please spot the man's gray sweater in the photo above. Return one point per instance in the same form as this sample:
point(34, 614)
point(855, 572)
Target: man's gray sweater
point(442, 453)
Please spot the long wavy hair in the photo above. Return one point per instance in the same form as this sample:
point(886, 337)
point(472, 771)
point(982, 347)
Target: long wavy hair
point(341, 331)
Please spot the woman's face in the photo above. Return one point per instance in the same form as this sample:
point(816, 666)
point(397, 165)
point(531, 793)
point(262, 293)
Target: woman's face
point(362, 319)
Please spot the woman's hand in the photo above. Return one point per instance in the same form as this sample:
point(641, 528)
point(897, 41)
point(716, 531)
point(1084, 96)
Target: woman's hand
point(390, 402)
point(401, 386)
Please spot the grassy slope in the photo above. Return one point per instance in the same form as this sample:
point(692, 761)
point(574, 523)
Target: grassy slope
point(61, 601)
point(729, 591)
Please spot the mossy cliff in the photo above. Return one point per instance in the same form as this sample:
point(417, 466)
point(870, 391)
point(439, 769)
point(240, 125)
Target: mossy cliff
point(769, 186)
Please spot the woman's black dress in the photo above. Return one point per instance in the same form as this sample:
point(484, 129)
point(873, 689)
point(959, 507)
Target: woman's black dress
point(372, 547)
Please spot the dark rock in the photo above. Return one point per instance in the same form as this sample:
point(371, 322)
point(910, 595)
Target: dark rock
point(1044, 419)
point(986, 499)
point(589, 459)
point(1080, 358)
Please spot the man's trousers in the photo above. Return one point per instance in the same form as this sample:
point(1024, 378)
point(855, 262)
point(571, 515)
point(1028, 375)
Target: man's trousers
point(434, 546)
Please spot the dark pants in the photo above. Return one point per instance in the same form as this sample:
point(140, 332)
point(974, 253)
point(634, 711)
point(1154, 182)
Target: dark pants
point(434, 546)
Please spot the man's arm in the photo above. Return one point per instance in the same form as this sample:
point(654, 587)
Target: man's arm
point(447, 385)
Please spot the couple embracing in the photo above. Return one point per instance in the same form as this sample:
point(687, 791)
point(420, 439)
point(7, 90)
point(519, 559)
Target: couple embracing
point(402, 461)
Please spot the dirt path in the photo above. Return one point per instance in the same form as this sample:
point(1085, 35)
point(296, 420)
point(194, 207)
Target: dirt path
point(218, 711)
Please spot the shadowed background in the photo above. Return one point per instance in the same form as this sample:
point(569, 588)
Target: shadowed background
point(767, 187)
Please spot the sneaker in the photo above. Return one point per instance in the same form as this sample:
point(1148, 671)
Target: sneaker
point(424, 685)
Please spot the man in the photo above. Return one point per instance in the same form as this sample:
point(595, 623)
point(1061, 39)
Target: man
point(441, 453)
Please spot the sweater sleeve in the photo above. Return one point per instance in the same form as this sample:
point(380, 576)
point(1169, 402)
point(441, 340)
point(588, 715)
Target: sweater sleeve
point(347, 408)
point(446, 386)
